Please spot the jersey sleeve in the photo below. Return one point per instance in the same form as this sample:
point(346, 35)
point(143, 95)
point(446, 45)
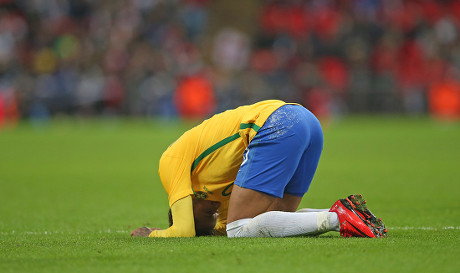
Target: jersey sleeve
point(183, 222)
point(174, 171)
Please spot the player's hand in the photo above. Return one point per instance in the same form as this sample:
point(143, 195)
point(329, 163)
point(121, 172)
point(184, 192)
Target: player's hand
point(142, 231)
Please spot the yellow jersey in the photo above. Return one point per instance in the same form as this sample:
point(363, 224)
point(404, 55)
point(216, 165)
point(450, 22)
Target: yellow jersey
point(207, 158)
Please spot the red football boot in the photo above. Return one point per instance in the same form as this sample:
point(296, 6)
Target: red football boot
point(356, 220)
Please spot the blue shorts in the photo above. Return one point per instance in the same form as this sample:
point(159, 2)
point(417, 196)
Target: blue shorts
point(283, 155)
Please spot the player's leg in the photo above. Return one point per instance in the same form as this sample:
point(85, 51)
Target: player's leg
point(350, 216)
point(270, 161)
point(279, 220)
point(247, 203)
point(257, 205)
point(288, 203)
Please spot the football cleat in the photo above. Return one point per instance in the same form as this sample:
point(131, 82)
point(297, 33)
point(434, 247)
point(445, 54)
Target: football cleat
point(356, 220)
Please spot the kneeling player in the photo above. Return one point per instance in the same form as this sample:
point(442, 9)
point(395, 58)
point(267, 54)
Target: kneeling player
point(243, 173)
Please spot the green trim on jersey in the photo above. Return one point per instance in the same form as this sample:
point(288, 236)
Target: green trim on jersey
point(214, 147)
point(253, 126)
point(222, 143)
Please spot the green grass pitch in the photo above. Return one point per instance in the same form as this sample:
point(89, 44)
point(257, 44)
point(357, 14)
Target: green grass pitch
point(71, 191)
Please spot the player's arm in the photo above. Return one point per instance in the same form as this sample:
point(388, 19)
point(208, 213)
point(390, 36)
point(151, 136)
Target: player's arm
point(183, 222)
point(174, 171)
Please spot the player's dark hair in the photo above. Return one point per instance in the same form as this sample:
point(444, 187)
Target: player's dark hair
point(170, 218)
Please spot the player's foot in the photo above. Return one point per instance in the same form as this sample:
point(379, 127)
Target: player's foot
point(356, 220)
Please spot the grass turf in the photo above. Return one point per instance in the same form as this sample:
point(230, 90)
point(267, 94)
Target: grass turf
point(70, 192)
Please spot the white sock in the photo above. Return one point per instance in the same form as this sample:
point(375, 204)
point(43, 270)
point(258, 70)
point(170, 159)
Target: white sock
point(333, 218)
point(284, 224)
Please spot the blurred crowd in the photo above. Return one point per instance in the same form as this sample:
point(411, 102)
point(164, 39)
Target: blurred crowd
point(162, 58)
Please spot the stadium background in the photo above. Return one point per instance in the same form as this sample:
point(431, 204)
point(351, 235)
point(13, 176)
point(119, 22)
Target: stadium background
point(93, 92)
point(193, 58)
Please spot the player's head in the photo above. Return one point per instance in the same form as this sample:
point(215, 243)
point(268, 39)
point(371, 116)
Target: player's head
point(205, 215)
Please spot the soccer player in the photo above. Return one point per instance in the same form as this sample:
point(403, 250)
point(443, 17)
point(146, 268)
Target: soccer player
point(243, 173)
